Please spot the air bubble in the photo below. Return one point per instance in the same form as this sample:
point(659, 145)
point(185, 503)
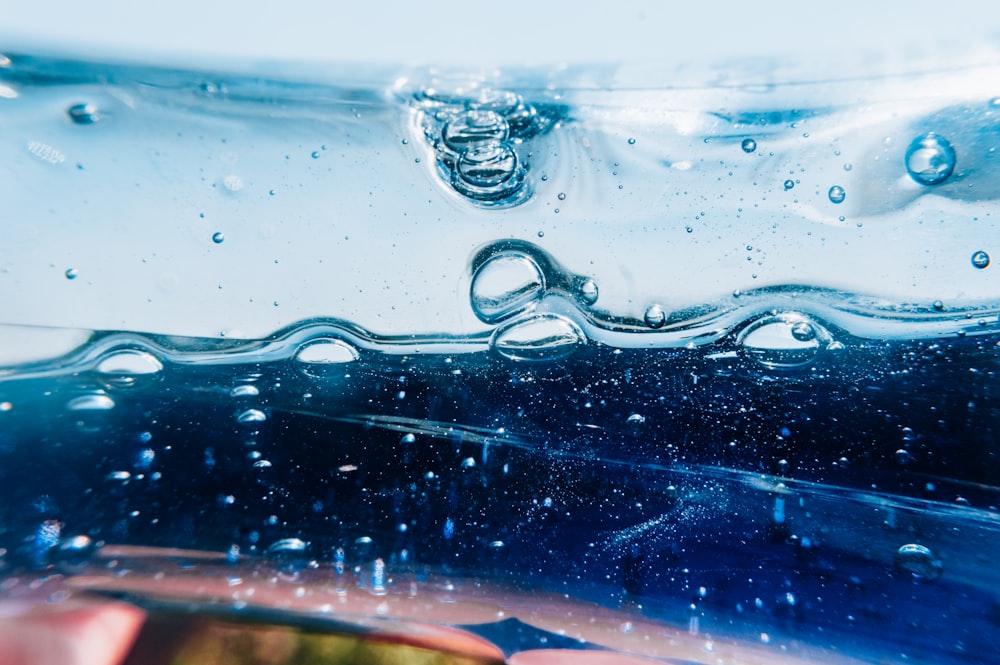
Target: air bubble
point(655, 317)
point(83, 114)
point(837, 194)
point(783, 341)
point(980, 259)
point(218, 237)
point(748, 145)
point(327, 352)
point(588, 291)
point(542, 338)
point(930, 159)
point(504, 285)
point(287, 545)
point(92, 402)
point(919, 562)
point(244, 390)
point(789, 184)
point(489, 172)
point(122, 368)
point(474, 128)
point(251, 417)
point(71, 273)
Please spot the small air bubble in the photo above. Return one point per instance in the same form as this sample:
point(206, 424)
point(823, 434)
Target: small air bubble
point(748, 145)
point(588, 291)
point(218, 237)
point(789, 184)
point(561, 196)
point(919, 562)
point(71, 273)
point(83, 114)
point(930, 159)
point(655, 317)
point(315, 154)
point(980, 259)
point(631, 141)
point(837, 194)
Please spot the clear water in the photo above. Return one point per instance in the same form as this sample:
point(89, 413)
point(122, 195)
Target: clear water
point(721, 359)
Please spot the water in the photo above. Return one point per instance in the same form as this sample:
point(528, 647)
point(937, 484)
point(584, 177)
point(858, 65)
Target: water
point(317, 352)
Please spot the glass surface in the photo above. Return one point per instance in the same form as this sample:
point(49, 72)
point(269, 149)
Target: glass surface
point(338, 364)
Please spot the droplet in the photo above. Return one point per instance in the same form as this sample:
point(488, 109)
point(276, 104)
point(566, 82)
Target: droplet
point(783, 341)
point(251, 416)
point(123, 367)
point(504, 285)
point(837, 194)
point(546, 337)
point(327, 352)
point(71, 273)
point(980, 259)
point(92, 402)
point(488, 172)
point(918, 561)
point(930, 159)
point(789, 184)
point(588, 291)
point(748, 145)
point(473, 128)
point(655, 317)
point(83, 114)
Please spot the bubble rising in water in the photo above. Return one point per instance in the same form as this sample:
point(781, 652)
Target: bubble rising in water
point(919, 562)
point(122, 368)
point(542, 338)
point(980, 259)
point(92, 402)
point(488, 172)
point(748, 145)
point(837, 194)
point(473, 128)
point(783, 341)
point(588, 291)
point(251, 417)
point(504, 285)
point(327, 352)
point(930, 159)
point(655, 317)
point(83, 114)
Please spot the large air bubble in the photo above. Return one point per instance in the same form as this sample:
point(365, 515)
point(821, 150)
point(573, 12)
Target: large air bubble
point(542, 338)
point(505, 285)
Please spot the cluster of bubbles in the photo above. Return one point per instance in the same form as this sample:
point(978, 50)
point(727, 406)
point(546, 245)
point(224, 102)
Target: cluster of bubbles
point(476, 139)
point(510, 281)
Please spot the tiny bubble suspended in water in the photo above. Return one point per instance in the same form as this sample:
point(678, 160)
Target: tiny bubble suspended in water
point(748, 145)
point(561, 196)
point(409, 437)
point(848, 166)
point(315, 154)
point(655, 317)
point(218, 237)
point(980, 259)
point(919, 561)
point(631, 141)
point(930, 159)
point(837, 194)
point(83, 114)
point(71, 273)
point(789, 184)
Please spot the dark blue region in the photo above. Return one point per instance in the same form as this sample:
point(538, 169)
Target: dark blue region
point(563, 492)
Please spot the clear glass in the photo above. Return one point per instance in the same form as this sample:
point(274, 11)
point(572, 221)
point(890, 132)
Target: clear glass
point(313, 363)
